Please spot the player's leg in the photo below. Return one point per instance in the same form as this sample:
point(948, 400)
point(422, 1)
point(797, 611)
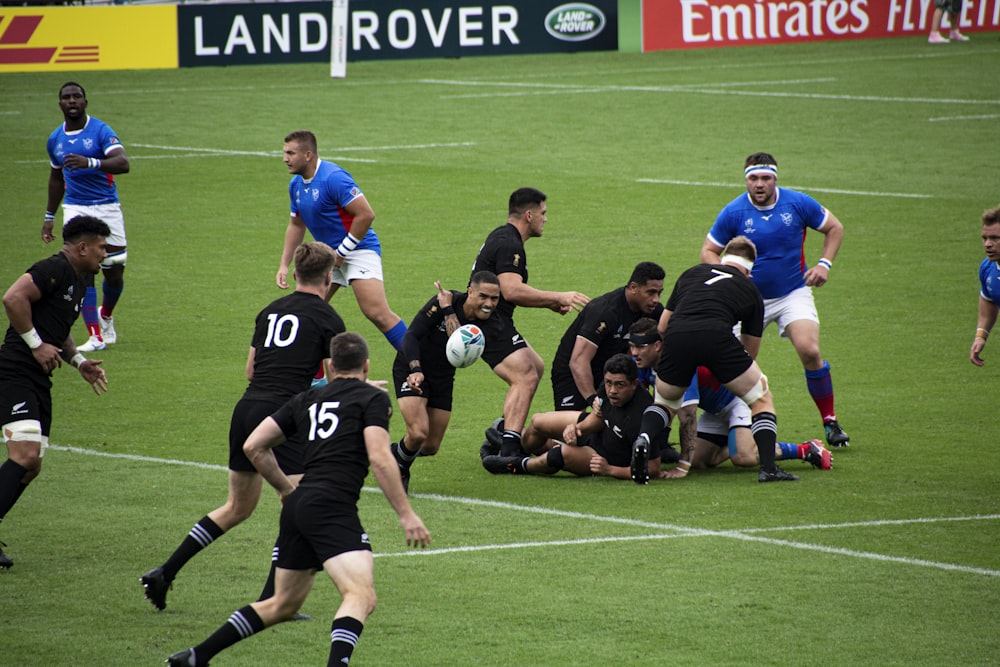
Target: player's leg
point(24, 461)
point(363, 270)
point(293, 587)
point(751, 386)
point(547, 427)
point(520, 370)
point(352, 573)
point(113, 269)
point(798, 321)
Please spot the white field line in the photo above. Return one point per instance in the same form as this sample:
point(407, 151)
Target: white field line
point(862, 193)
point(193, 152)
point(989, 116)
point(747, 534)
point(702, 89)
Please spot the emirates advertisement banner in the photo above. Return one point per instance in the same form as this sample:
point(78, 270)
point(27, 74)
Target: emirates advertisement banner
point(689, 24)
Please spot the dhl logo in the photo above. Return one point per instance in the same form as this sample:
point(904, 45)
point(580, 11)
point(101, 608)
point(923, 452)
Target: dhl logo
point(15, 34)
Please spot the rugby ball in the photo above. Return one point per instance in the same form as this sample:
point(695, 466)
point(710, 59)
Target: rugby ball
point(465, 346)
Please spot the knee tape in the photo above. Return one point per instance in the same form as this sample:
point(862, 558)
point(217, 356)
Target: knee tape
point(674, 404)
point(115, 259)
point(757, 391)
point(24, 430)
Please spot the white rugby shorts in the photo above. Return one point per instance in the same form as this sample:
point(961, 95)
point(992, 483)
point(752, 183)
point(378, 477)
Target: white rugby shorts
point(109, 213)
point(796, 305)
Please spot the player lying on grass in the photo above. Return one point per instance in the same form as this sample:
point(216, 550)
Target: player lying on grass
point(594, 443)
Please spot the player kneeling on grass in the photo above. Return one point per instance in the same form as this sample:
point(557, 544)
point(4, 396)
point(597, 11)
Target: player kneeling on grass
point(345, 426)
point(424, 377)
point(594, 443)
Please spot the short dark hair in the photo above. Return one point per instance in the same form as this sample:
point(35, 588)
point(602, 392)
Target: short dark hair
point(313, 260)
point(84, 225)
point(646, 271)
point(991, 216)
point(484, 277)
point(72, 83)
point(621, 364)
point(524, 198)
point(759, 158)
point(304, 138)
point(348, 352)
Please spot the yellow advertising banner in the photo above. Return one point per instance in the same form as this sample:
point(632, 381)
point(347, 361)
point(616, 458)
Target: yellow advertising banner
point(53, 39)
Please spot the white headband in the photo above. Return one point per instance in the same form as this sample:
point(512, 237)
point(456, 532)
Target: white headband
point(738, 261)
point(761, 169)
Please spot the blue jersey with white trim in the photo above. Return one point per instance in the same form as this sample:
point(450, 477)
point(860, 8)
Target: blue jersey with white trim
point(989, 281)
point(85, 187)
point(779, 232)
point(321, 204)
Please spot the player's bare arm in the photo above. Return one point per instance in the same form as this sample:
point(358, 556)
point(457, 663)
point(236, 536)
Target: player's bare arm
point(386, 473)
point(57, 186)
point(833, 236)
point(258, 447)
point(115, 163)
point(579, 366)
point(711, 253)
point(17, 302)
point(294, 235)
point(514, 290)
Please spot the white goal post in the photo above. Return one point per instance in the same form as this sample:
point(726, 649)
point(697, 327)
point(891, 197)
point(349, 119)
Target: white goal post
point(338, 39)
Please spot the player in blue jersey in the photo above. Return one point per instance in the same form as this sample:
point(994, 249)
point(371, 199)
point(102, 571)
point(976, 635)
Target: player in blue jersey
point(85, 154)
point(989, 284)
point(326, 201)
point(776, 220)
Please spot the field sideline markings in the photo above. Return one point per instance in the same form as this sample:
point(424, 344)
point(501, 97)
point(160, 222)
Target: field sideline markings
point(990, 116)
point(339, 149)
point(703, 88)
point(863, 193)
point(748, 534)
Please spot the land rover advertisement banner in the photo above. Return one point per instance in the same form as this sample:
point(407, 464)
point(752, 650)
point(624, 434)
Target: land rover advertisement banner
point(282, 32)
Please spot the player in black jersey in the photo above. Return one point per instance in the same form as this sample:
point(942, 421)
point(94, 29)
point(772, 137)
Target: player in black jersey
point(599, 332)
point(422, 374)
point(290, 341)
point(595, 443)
point(503, 254)
point(345, 426)
point(42, 306)
point(707, 301)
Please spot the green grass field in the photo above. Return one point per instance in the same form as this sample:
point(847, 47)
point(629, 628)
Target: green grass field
point(890, 559)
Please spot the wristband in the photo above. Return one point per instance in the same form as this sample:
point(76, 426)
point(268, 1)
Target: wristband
point(50, 216)
point(93, 163)
point(591, 398)
point(825, 263)
point(77, 360)
point(416, 369)
point(347, 245)
point(448, 310)
point(982, 333)
point(32, 339)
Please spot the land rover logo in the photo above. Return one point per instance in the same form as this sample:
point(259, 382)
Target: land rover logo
point(575, 22)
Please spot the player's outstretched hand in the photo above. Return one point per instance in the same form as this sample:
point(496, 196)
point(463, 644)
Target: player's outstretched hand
point(93, 373)
point(445, 297)
point(417, 534)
